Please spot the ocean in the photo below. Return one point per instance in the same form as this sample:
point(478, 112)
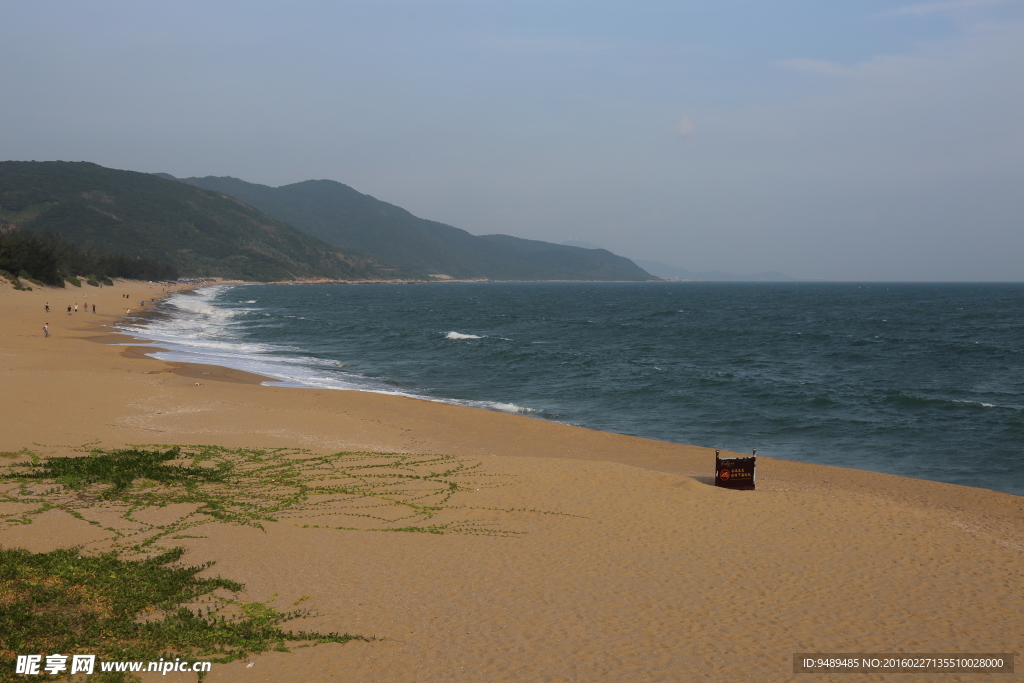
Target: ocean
point(919, 380)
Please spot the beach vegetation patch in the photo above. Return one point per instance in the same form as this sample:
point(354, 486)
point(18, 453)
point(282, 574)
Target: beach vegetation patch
point(185, 488)
point(117, 609)
point(15, 281)
point(48, 259)
point(24, 275)
point(120, 469)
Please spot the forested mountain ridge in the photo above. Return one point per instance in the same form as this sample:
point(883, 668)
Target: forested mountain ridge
point(200, 233)
point(344, 217)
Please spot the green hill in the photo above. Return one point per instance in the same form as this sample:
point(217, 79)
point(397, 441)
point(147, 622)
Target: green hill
point(200, 232)
point(340, 215)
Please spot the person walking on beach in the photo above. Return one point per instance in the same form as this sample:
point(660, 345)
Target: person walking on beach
point(46, 330)
point(76, 308)
point(69, 309)
point(94, 308)
point(47, 306)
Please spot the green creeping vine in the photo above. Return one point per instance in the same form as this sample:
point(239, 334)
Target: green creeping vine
point(210, 484)
point(131, 603)
point(144, 607)
point(120, 469)
point(142, 610)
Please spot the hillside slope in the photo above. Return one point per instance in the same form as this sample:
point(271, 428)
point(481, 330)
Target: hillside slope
point(340, 215)
point(201, 233)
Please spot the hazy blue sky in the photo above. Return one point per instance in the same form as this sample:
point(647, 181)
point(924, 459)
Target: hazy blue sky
point(840, 140)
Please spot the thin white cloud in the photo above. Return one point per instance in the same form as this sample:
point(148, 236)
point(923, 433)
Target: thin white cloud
point(537, 46)
point(816, 66)
point(928, 8)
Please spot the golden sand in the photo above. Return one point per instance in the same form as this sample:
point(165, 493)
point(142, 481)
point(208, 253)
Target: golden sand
point(610, 558)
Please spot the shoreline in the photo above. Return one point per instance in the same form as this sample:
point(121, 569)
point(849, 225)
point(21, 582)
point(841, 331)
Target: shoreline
point(496, 406)
point(138, 348)
point(187, 354)
point(621, 561)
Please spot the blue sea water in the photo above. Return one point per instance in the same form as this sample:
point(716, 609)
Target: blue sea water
point(921, 380)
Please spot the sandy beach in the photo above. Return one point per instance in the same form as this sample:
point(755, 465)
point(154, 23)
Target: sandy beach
point(578, 556)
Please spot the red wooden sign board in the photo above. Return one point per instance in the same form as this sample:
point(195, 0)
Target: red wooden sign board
point(735, 473)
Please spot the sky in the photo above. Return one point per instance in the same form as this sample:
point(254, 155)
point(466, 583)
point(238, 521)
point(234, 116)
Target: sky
point(871, 140)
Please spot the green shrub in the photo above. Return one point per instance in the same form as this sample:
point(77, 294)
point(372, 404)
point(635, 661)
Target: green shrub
point(119, 609)
point(106, 281)
point(45, 257)
point(25, 276)
point(73, 280)
point(92, 281)
point(28, 255)
point(15, 282)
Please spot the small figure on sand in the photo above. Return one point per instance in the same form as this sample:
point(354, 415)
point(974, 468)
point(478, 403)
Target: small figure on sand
point(94, 308)
point(47, 306)
point(76, 308)
point(69, 309)
point(46, 329)
point(127, 311)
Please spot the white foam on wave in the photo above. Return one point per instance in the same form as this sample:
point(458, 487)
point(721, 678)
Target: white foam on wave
point(193, 320)
point(503, 407)
point(196, 330)
point(976, 403)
